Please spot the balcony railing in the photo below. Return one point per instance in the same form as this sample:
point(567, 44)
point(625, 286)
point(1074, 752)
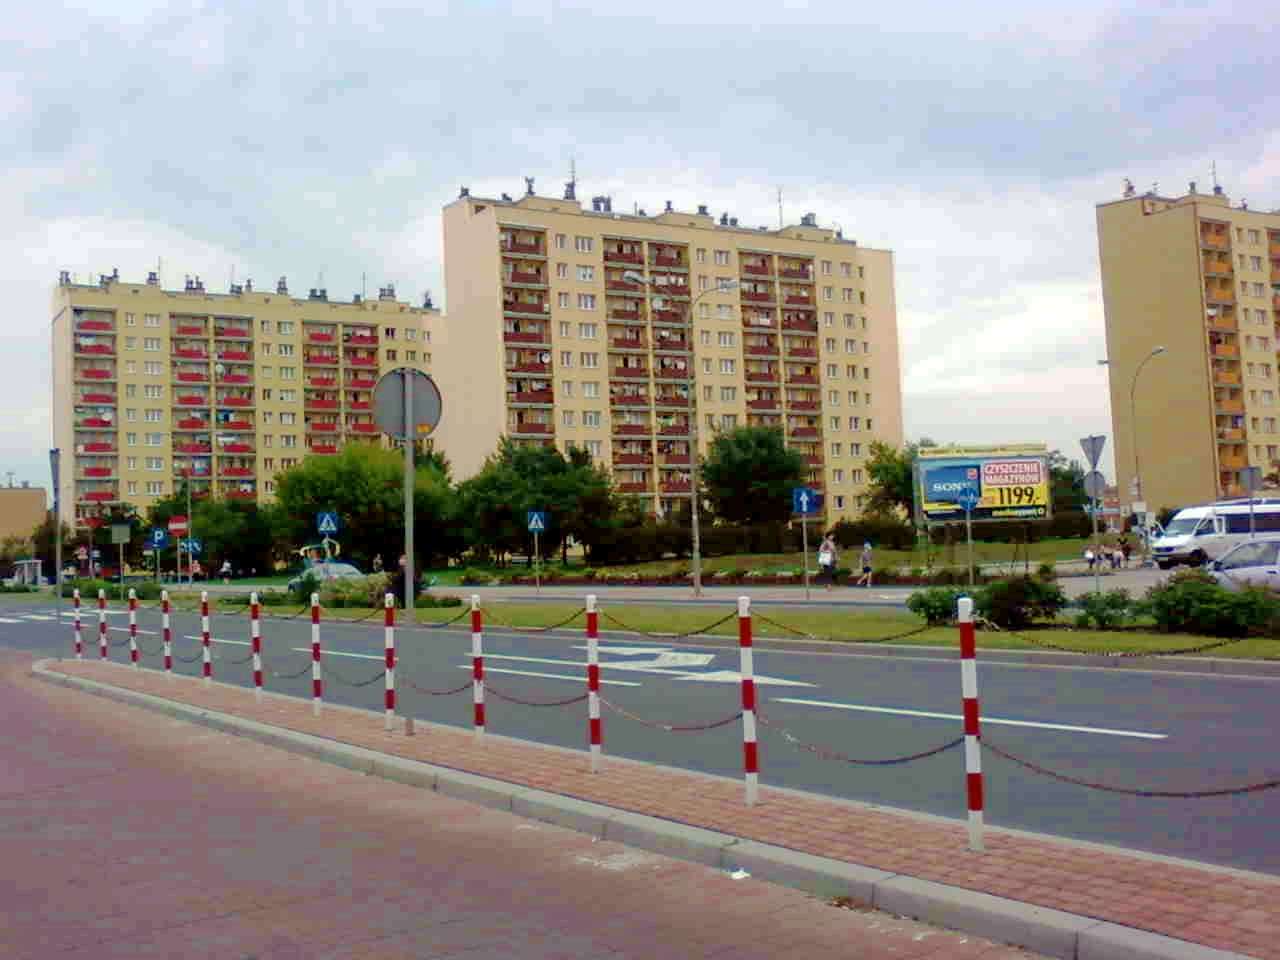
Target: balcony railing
point(669, 316)
point(99, 496)
point(234, 356)
point(95, 326)
point(320, 359)
point(629, 400)
point(628, 343)
point(524, 306)
point(667, 260)
point(313, 403)
point(236, 472)
point(807, 378)
point(633, 458)
point(322, 382)
point(356, 383)
point(623, 256)
point(1227, 435)
point(192, 448)
point(233, 333)
point(186, 353)
point(361, 361)
point(522, 246)
point(524, 336)
point(94, 423)
point(517, 276)
point(94, 373)
point(96, 349)
point(675, 486)
point(796, 273)
point(192, 423)
point(193, 400)
point(236, 402)
point(676, 459)
point(99, 471)
point(670, 372)
point(808, 352)
point(632, 429)
point(799, 300)
point(764, 404)
point(109, 398)
point(622, 285)
point(530, 428)
point(362, 427)
point(671, 401)
point(237, 447)
point(798, 323)
point(1233, 463)
point(629, 373)
point(799, 433)
point(756, 350)
point(360, 405)
point(324, 448)
point(320, 337)
point(238, 426)
point(671, 290)
point(1229, 406)
point(323, 426)
point(674, 430)
point(671, 345)
point(531, 396)
point(190, 330)
point(1226, 376)
point(634, 487)
point(757, 269)
point(762, 376)
point(802, 404)
point(100, 446)
point(192, 376)
point(624, 315)
point(362, 340)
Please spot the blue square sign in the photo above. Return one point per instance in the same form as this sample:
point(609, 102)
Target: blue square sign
point(159, 538)
point(805, 501)
point(537, 521)
point(327, 522)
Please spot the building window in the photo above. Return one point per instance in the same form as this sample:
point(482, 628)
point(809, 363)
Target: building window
point(729, 421)
point(265, 328)
point(268, 373)
point(566, 358)
point(826, 268)
point(855, 423)
point(591, 418)
point(591, 389)
point(288, 419)
point(155, 463)
point(131, 463)
point(288, 440)
point(704, 282)
point(286, 349)
point(829, 344)
point(586, 274)
point(562, 241)
point(288, 396)
point(1254, 236)
point(152, 368)
point(130, 391)
point(833, 397)
point(728, 394)
point(704, 311)
point(285, 328)
point(562, 271)
point(566, 388)
point(290, 373)
point(131, 343)
point(151, 343)
point(565, 329)
point(590, 360)
point(833, 370)
point(268, 441)
point(837, 476)
point(392, 357)
point(722, 258)
point(131, 487)
point(153, 416)
point(700, 255)
point(708, 393)
point(828, 319)
point(846, 269)
point(131, 415)
point(130, 439)
point(155, 439)
point(130, 366)
point(152, 320)
point(411, 334)
point(586, 301)
point(593, 446)
point(411, 356)
point(155, 488)
point(587, 331)
point(827, 293)
point(706, 364)
point(726, 338)
point(582, 244)
point(567, 418)
point(130, 319)
point(724, 311)
point(152, 391)
point(728, 365)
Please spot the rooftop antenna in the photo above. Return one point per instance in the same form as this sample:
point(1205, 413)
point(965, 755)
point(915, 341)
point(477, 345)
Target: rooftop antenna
point(779, 208)
point(363, 280)
point(9, 474)
point(571, 188)
point(1213, 172)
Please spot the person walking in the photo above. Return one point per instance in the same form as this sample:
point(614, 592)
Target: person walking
point(1126, 548)
point(865, 579)
point(827, 555)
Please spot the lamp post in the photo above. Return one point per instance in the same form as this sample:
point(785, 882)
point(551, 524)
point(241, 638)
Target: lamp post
point(1133, 421)
point(722, 286)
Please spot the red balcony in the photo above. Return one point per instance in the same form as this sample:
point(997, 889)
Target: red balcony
point(756, 269)
point(531, 396)
point(632, 429)
point(320, 359)
point(624, 314)
point(755, 350)
point(527, 246)
point(672, 401)
point(235, 378)
point(238, 426)
point(362, 361)
point(94, 422)
point(362, 427)
point(233, 333)
point(799, 300)
point(813, 459)
point(524, 306)
point(186, 353)
point(98, 349)
point(676, 459)
point(807, 324)
point(629, 373)
point(192, 448)
point(764, 404)
point(672, 290)
point(98, 398)
point(320, 404)
point(640, 487)
point(629, 400)
point(806, 378)
point(190, 330)
point(530, 368)
point(190, 401)
point(324, 448)
point(675, 486)
point(240, 495)
point(762, 376)
point(235, 402)
point(637, 458)
point(530, 427)
point(668, 316)
point(802, 352)
point(519, 277)
point(359, 384)
point(796, 273)
point(322, 382)
point(360, 405)
point(754, 297)
point(238, 447)
point(798, 433)
point(802, 405)
point(192, 423)
point(236, 472)
point(675, 430)
point(234, 356)
point(362, 340)
point(323, 426)
point(93, 373)
point(99, 496)
point(667, 260)
point(628, 343)
point(622, 285)
point(624, 256)
point(188, 376)
point(320, 337)
point(95, 326)
point(522, 336)
point(98, 471)
point(672, 345)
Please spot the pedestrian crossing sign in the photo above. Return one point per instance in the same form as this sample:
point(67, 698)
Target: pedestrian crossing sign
point(537, 521)
point(327, 522)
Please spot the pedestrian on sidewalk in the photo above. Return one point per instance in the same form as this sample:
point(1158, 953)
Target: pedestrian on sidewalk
point(226, 571)
point(827, 555)
point(1089, 558)
point(865, 579)
point(1126, 548)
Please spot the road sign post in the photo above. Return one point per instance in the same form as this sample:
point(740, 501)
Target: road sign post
point(968, 499)
point(407, 405)
point(178, 527)
point(120, 535)
point(804, 501)
point(537, 524)
point(55, 463)
point(1252, 477)
point(1095, 485)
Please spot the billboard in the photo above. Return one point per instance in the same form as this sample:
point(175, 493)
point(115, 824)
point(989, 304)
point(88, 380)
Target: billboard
point(1010, 483)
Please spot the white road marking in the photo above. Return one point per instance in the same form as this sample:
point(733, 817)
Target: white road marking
point(141, 632)
point(627, 651)
point(342, 653)
point(38, 616)
point(550, 676)
point(657, 666)
point(898, 711)
point(238, 643)
point(732, 676)
point(7, 620)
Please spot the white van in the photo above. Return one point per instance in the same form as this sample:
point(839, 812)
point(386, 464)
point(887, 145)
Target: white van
point(1199, 534)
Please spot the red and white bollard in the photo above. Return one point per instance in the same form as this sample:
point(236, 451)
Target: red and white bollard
point(595, 734)
point(750, 750)
point(166, 633)
point(75, 597)
point(205, 644)
point(389, 644)
point(102, 624)
point(133, 627)
point(255, 638)
point(972, 741)
point(317, 684)
point(477, 666)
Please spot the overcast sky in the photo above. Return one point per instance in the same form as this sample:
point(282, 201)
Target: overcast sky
point(258, 139)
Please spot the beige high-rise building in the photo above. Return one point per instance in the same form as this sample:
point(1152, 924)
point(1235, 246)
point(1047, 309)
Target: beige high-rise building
point(1200, 278)
point(611, 332)
point(152, 384)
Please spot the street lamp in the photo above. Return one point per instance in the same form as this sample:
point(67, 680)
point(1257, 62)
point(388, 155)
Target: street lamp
point(722, 286)
point(1133, 420)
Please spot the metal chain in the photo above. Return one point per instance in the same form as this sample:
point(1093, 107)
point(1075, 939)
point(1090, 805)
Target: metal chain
point(668, 636)
point(240, 660)
point(1118, 654)
point(828, 754)
point(672, 727)
point(372, 613)
point(346, 681)
point(437, 693)
point(444, 623)
point(150, 653)
point(555, 626)
point(190, 659)
point(275, 674)
point(118, 643)
point(914, 631)
point(534, 703)
point(1127, 791)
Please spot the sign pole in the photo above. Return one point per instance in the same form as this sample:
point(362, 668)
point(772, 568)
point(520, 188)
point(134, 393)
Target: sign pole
point(191, 567)
point(804, 542)
point(408, 495)
point(122, 571)
point(55, 462)
point(537, 564)
point(968, 533)
point(1097, 549)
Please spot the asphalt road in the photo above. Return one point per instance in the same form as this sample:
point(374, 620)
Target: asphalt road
point(1129, 728)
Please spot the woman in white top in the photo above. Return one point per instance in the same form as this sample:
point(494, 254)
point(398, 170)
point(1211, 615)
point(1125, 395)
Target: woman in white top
point(827, 555)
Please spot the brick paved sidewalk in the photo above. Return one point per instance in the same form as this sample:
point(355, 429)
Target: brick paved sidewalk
point(1216, 908)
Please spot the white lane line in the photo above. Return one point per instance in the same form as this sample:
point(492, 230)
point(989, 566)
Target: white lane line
point(7, 620)
point(550, 676)
point(340, 653)
point(238, 643)
point(41, 616)
point(141, 632)
point(985, 719)
point(634, 667)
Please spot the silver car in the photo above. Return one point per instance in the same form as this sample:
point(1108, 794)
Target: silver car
point(327, 570)
point(1255, 563)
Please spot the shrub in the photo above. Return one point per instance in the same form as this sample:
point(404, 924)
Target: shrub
point(88, 589)
point(1193, 602)
point(1046, 571)
point(936, 604)
point(17, 588)
point(472, 577)
point(887, 533)
point(307, 584)
point(1105, 611)
point(1014, 603)
point(427, 601)
point(355, 591)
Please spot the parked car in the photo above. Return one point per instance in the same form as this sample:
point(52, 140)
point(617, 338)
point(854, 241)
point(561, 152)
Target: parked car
point(1199, 534)
point(328, 570)
point(1255, 563)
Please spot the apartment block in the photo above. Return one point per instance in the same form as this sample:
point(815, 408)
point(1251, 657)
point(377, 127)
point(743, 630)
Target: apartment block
point(1200, 278)
point(620, 333)
point(151, 385)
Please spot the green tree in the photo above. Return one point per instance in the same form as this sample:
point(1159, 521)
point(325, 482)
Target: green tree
point(1066, 483)
point(890, 476)
point(749, 474)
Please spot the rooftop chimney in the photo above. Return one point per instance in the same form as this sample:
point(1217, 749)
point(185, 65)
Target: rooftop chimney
point(668, 210)
point(528, 186)
point(724, 219)
point(426, 300)
point(464, 191)
point(702, 210)
point(1191, 187)
point(388, 292)
point(1217, 190)
point(64, 277)
point(248, 286)
point(282, 287)
point(153, 279)
point(809, 220)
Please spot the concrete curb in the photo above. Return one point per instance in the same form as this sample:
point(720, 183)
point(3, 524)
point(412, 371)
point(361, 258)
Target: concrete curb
point(1050, 932)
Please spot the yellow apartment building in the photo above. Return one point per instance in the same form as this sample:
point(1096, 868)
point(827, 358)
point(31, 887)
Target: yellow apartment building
point(22, 509)
point(621, 332)
point(152, 385)
point(1200, 278)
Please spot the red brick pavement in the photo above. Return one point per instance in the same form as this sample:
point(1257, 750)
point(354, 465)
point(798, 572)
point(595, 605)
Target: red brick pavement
point(1198, 904)
point(128, 834)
